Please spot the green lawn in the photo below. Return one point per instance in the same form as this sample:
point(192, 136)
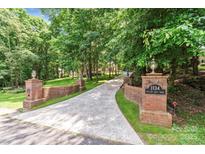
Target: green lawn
point(60, 82)
point(10, 99)
point(202, 68)
point(193, 132)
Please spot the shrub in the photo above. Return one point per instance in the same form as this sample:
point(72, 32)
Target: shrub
point(172, 89)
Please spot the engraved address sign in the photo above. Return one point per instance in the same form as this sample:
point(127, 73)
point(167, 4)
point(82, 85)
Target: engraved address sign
point(155, 89)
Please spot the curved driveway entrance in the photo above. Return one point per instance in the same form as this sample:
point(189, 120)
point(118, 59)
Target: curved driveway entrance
point(94, 113)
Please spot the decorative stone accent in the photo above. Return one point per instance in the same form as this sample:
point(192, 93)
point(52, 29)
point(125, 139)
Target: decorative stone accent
point(153, 109)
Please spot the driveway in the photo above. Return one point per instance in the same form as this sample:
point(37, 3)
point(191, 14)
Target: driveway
point(15, 132)
point(93, 114)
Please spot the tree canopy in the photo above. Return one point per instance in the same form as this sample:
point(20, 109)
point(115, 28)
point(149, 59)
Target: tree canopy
point(91, 41)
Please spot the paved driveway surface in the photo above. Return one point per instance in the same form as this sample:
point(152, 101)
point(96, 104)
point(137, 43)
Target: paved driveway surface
point(94, 114)
point(13, 131)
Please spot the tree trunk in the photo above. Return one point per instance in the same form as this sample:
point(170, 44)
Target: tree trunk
point(103, 70)
point(89, 68)
point(96, 71)
point(46, 66)
point(94, 67)
point(115, 66)
point(86, 71)
point(173, 71)
point(81, 72)
point(118, 70)
point(109, 69)
point(185, 67)
point(113, 69)
point(72, 74)
point(16, 79)
point(57, 72)
point(16, 83)
point(195, 63)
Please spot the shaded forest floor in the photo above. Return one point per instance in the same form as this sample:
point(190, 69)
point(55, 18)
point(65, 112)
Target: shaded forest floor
point(190, 98)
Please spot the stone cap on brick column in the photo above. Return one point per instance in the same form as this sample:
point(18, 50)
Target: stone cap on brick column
point(154, 76)
point(33, 80)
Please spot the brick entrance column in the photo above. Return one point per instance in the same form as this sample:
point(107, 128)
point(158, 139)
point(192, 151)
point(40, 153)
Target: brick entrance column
point(81, 84)
point(34, 93)
point(153, 109)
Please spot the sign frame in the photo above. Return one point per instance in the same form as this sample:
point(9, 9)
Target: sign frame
point(155, 89)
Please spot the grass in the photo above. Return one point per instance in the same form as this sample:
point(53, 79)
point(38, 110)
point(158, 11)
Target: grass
point(202, 68)
point(60, 82)
point(193, 132)
point(11, 99)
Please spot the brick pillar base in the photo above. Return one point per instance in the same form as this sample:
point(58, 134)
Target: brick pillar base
point(156, 117)
point(153, 109)
point(28, 104)
point(34, 93)
point(81, 83)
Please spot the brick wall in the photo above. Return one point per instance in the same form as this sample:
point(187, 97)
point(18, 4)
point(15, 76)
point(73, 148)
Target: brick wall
point(156, 117)
point(133, 93)
point(53, 92)
point(36, 93)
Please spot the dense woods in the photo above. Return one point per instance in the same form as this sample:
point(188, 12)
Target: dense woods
point(89, 42)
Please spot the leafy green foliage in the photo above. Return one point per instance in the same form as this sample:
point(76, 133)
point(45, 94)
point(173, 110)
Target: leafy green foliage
point(19, 35)
point(89, 41)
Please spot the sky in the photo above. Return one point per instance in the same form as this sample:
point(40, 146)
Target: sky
point(36, 12)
